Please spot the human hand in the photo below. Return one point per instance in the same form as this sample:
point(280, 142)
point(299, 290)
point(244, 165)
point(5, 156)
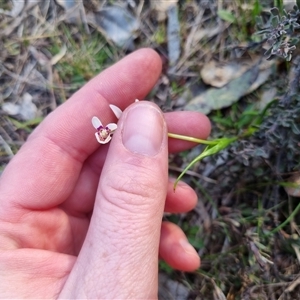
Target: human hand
point(83, 220)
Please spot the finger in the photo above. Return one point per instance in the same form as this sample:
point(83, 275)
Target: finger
point(175, 249)
point(52, 158)
point(185, 123)
point(183, 199)
point(125, 227)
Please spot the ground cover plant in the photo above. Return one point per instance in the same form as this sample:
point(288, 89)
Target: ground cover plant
point(238, 62)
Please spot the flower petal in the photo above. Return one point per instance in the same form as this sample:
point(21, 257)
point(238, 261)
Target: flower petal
point(112, 126)
point(116, 110)
point(96, 122)
point(98, 138)
point(107, 139)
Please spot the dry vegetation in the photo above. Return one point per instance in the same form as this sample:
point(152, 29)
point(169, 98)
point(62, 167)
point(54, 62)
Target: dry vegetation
point(245, 226)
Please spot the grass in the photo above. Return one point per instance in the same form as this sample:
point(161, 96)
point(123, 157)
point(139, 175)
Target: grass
point(159, 36)
point(85, 57)
point(245, 226)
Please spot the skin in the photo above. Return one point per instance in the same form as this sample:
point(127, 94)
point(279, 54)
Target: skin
point(84, 220)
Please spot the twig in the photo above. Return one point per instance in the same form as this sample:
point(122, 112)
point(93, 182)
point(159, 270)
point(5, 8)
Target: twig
point(33, 83)
point(194, 29)
point(194, 174)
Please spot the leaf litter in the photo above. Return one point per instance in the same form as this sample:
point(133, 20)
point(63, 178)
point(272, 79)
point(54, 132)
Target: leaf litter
point(117, 24)
point(245, 223)
point(237, 81)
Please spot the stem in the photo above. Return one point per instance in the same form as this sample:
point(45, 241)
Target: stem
point(191, 139)
point(288, 220)
point(185, 169)
point(212, 147)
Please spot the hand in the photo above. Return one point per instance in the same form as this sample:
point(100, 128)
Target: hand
point(84, 220)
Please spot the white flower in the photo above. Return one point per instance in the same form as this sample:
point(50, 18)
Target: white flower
point(116, 110)
point(104, 133)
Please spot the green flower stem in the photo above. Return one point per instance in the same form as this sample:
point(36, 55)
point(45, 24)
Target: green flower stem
point(288, 220)
point(191, 139)
point(212, 147)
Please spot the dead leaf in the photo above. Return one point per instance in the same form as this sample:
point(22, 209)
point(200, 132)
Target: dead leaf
point(265, 70)
point(206, 33)
point(73, 10)
point(170, 289)
point(117, 24)
point(218, 74)
point(217, 98)
point(293, 187)
point(266, 97)
point(161, 7)
point(173, 35)
point(26, 109)
point(223, 97)
point(56, 58)
point(41, 58)
point(288, 4)
point(18, 6)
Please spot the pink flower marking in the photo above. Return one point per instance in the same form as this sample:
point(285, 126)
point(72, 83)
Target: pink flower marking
point(104, 133)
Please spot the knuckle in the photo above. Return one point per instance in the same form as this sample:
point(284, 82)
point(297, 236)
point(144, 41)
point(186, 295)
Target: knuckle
point(133, 188)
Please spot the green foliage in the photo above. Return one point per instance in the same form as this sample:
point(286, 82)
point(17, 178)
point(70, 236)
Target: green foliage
point(192, 235)
point(288, 220)
point(159, 35)
point(280, 131)
point(84, 58)
point(241, 17)
point(176, 88)
point(5, 5)
point(248, 123)
point(256, 9)
point(279, 4)
point(213, 147)
point(280, 31)
point(236, 121)
point(163, 266)
point(226, 15)
point(26, 125)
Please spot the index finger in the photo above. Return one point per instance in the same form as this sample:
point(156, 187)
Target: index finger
point(48, 165)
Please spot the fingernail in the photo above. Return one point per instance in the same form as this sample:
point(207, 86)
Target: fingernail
point(143, 129)
point(187, 247)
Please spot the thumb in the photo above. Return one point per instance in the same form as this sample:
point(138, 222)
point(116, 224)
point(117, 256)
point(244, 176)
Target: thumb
point(120, 253)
